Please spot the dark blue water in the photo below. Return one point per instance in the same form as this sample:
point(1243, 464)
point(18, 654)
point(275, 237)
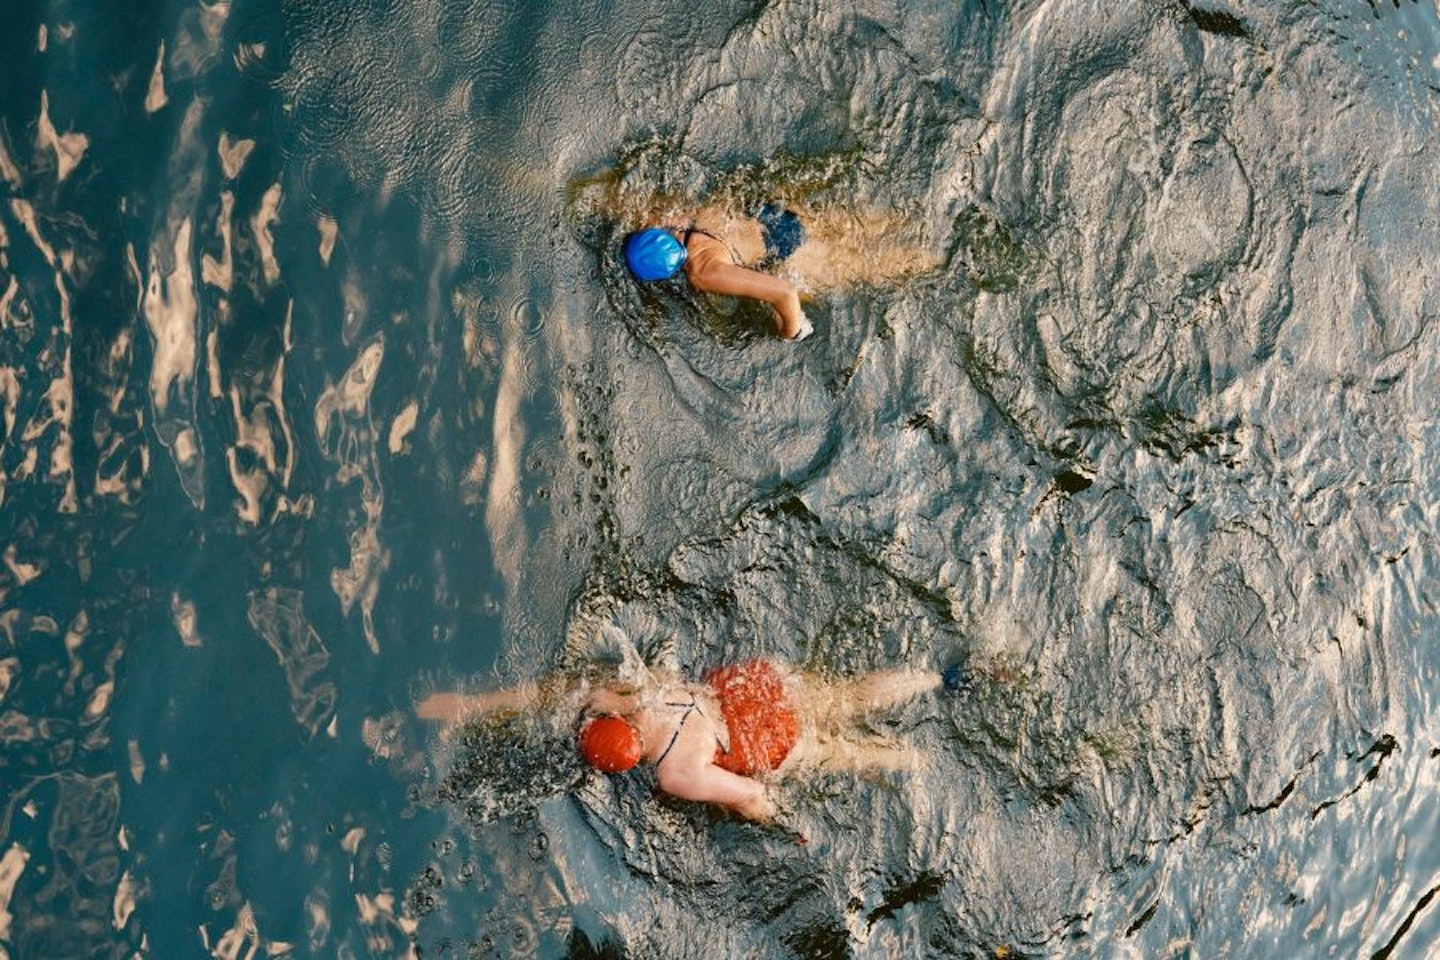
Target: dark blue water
point(322, 389)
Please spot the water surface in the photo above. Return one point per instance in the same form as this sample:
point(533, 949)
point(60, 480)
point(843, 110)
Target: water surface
point(321, 391)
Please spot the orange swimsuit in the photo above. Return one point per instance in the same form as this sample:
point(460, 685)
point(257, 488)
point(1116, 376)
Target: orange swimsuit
point(761, 720)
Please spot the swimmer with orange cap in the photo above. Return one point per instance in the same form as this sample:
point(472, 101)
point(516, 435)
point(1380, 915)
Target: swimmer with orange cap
point(721, 741)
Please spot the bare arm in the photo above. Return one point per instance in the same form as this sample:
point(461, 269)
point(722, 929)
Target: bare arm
point(602, 700)
point(454, 707)
point(708, 783)
point(713, 275)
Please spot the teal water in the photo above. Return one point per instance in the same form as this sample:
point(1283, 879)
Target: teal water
point(321, 390)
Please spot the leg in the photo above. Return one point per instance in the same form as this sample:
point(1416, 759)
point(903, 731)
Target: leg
point(885, 689)
point(842, 249)
point(831, 705)
point(838, 753)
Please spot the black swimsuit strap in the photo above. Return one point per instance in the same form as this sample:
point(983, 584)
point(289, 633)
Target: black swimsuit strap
point(690, 708)
point(735, 257)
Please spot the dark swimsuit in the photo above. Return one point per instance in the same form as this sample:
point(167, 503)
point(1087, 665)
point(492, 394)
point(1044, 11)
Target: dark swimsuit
point(781, 232)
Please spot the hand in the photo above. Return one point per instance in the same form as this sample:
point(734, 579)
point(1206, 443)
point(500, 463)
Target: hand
point(806, 328)
point(761, 808)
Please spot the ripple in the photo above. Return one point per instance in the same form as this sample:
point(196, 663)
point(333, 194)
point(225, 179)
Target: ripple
point(324, 109)
point(527, 375)
point(597, 50)
point(392, 115)
point(320, 26)
point(527, 317)
point(483, 269)
point(541, 121)
point(647, 69)
point(453, 185)
point(258, 44)
point(1202, 220)
point(472, 30)
point(327, 187)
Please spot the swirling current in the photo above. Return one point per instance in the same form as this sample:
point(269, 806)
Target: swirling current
point(323, 388)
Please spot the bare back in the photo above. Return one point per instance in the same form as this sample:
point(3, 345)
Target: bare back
point(682, 730)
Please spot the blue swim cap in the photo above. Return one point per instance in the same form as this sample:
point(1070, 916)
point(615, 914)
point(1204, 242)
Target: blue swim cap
point(654, 254)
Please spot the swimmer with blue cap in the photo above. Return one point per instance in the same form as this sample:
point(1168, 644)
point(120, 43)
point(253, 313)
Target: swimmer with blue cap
point(730, 256)
point(777, 252)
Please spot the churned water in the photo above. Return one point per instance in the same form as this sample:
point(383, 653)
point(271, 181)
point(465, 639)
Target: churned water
point(323, 388)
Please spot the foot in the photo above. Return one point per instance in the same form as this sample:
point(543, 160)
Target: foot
point(957, 678)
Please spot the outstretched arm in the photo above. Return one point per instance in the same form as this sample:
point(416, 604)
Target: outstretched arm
point(602, 700)
point(454, 707)
point(716, 276)
point(708, 783)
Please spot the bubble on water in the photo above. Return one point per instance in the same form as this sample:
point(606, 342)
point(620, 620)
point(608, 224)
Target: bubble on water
point(527, 318)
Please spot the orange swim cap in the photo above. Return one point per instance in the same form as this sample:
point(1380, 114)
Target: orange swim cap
point(610, 744)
